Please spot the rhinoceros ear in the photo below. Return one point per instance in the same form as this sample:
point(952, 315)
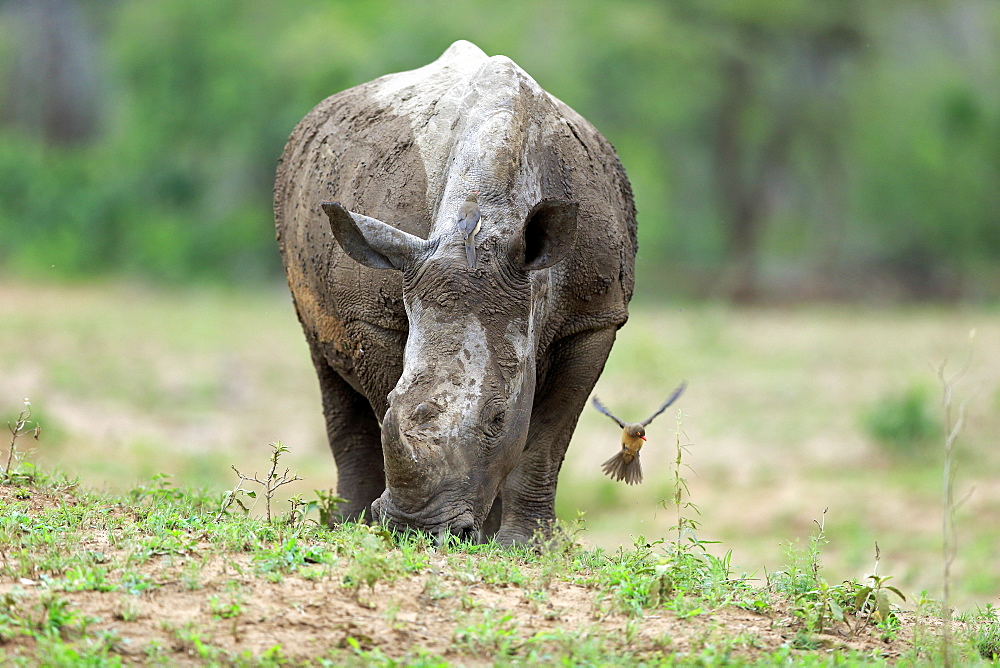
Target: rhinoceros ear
point(547, 236)
point(370, 241)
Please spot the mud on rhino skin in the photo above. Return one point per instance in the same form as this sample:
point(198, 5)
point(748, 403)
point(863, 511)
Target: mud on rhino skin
point(451, 393)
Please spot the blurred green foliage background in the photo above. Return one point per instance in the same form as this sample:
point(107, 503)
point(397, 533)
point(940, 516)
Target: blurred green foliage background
point(788, 149)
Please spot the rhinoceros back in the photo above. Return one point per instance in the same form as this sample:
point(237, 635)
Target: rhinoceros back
point(393, 148)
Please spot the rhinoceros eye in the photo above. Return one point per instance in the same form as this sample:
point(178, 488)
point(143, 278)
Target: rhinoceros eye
point(493, 419)
point(424, 412)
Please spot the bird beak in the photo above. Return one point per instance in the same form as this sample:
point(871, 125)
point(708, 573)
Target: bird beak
point(643, 437)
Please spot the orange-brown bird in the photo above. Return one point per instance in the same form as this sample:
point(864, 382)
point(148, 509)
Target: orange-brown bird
point(625, 464)
point(468, 225)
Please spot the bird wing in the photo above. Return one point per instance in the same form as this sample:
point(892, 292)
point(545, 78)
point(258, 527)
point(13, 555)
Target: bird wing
point(666, 404)
point(599, 406)
point(468, 218)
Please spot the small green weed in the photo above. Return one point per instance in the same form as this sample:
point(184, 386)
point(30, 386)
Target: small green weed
point(689, 570)
point(15, 471)
point(161, 489)
point(326, 505)
point(985, 633)
point(370, 557)
point(822, 606)
point(225, 608)
point(801, 575)
point(375, 657)
point(872, 600)
point(817, 603)
point(495, 633)
point(195, 644)
point(290, 554)
point(555, 551)
point(95, 651)
point(85, 578)
point(270, 484)
point(504, 572)
point(820, 609)
point(55, 616)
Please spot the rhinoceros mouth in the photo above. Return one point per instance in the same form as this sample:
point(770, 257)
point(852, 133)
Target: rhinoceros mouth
point(462, 525)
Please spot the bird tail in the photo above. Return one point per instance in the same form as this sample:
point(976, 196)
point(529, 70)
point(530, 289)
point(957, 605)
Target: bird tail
point(470, 252)
point(619, 469)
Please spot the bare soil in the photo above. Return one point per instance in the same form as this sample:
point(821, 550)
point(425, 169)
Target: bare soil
point(236, 614)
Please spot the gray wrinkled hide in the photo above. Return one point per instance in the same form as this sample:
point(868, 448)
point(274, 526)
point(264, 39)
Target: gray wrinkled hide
point(446, 389)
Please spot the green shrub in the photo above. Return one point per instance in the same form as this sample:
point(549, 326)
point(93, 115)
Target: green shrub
point(903, 421)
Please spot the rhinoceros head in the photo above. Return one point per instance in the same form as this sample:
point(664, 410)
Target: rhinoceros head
point(458, 417)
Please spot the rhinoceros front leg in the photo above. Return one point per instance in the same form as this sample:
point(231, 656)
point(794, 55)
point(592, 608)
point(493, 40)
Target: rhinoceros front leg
point(529, 494)
point(355, 439)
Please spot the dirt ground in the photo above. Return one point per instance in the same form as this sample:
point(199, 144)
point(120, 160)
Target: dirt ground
point(227, 611)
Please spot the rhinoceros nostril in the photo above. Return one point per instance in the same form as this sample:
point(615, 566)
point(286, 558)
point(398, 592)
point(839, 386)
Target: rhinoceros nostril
point(465, 533)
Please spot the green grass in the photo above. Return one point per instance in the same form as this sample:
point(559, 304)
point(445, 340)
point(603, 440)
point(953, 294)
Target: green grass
point(128, 382)
point(93, 578)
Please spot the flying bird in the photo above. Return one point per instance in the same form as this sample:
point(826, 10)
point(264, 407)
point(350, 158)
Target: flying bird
point(468, 225)
point(625, 464)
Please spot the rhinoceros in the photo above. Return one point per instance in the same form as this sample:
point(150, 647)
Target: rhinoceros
point(450, 392)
